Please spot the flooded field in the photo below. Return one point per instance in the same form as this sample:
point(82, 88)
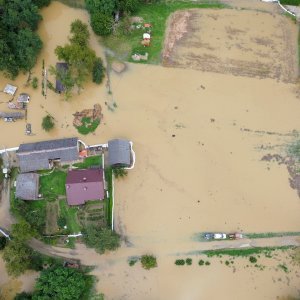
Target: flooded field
point(239, 42)
point(199, 138)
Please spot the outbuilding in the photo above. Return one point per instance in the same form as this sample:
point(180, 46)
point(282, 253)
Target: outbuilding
point(10, 89)
point(23, 98)
point(60, 68)
point(27, 187)
point(119, 153)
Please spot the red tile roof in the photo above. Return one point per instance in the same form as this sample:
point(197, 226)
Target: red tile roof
point(84, 185)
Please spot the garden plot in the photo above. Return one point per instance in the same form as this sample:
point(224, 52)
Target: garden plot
point(92, 214)
point(243, 43)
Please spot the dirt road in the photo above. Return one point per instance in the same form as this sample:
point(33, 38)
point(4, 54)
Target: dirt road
point(87, 255)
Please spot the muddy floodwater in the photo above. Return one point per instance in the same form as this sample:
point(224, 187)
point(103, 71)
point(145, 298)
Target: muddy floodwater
point(199, 139)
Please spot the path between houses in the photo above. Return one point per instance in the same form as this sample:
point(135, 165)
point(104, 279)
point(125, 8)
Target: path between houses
point(90, 257)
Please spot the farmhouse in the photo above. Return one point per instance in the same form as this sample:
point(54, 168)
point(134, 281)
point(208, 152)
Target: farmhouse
point(119, 153)
point(85, 185)
point(61, 68)
point(27, 187)
point(43, 155)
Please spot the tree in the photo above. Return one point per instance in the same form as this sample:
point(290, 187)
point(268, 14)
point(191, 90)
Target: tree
point(47, 123)
point(101, 238)
point(129, 6)
point(106, 7)
point(23, 296)
point(60, 283)
point(3, 242)
point(80, 33)
point(148, 261)
point(101, 23)
point(98, 71)
point(41, 3)
point(21, 231)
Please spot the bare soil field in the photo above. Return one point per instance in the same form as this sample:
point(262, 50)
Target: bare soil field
point(239, 42)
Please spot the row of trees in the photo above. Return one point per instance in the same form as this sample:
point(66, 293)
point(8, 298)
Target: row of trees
point(104, 13)
point(82, 61)
point(19, 43)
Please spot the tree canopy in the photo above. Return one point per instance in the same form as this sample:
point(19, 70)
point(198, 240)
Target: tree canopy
point(101, 238)
point(47, 123)
point(19, 44)
point(60, 283)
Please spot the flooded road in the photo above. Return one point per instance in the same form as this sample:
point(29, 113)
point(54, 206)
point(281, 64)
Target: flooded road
point(199, 139)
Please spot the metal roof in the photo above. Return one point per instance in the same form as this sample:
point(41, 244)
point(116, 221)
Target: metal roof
point(10, 89)
point(36, 156)
point(27, 187)
point(119, 152)
point(84, 185)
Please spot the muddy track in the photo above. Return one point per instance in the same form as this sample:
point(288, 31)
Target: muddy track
point(87, 256)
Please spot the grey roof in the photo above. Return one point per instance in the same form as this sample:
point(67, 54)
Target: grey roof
point(12, 114)
point(36, 156)
point(23, 98)
point(119, 152)
point(10, 89)
point(60, 67)
point(27, 187)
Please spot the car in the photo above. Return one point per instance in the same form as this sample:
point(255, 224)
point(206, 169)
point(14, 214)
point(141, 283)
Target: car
point(215, 236)
point(9, 119)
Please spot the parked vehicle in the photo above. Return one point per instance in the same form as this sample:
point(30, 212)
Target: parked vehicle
point(9, 119)
point(215, 236)
point(235, 236)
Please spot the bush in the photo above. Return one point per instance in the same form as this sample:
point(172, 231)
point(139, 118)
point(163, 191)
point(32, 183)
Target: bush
point(61, 222)
point(180, 262)
point(132, 261)
point(98, 71)
point(207, 263)
point(201, 262)
point(227, 263)
point(189, 261)
point(41, 3)
point(148, 262)
point(47, 123)
point(119, 172)
point(102, 24)
point(3, 242)
point(34, 83)
point(23, 296)
point(252, 259)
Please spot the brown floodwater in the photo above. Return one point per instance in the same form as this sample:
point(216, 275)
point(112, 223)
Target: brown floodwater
point(199, 138)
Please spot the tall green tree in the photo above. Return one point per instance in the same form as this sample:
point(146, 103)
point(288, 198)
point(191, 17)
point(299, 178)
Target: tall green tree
point(101, 23)
point(101, 238)
point(17, 254)
point(106, 7)
point(60, 283)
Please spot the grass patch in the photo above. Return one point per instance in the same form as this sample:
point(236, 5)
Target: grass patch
point(156, 14)
point(70, 214)
point(244, 252)
point(89, 162)
point(73, 3)
point(271, 234)
point(109, 201)
point(53, 185)
point(87, 126)
point(290, 2)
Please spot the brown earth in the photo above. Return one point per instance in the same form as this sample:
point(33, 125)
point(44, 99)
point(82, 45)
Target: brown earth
point(94, 114)
point(239, 42)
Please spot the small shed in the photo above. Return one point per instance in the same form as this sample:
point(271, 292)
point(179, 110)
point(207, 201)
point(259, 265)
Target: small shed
point(10, 89)
point(27, 187)
point(23, 98)
point(61, 68)
point(119, 153)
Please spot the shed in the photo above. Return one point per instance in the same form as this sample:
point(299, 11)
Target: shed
point(119, 153)
point(42, 155)
point(61, 68)
point(23, 98)
point(11, 114)
point(10, 89)
point(84, 185)
point(27, 187)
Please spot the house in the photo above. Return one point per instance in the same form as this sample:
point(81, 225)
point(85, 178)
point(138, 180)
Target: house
point(10, 89)
point(119, 153)
point(84, 185)
point(23, 98)
point(61, 68)
point(27, 187)
point(43, 155)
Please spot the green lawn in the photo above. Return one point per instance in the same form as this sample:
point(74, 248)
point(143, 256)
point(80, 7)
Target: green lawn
point(53, 185)
point(70, 214)
point(109, 202)
point(88, 126)
point(157, 15)
point(89, 161)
